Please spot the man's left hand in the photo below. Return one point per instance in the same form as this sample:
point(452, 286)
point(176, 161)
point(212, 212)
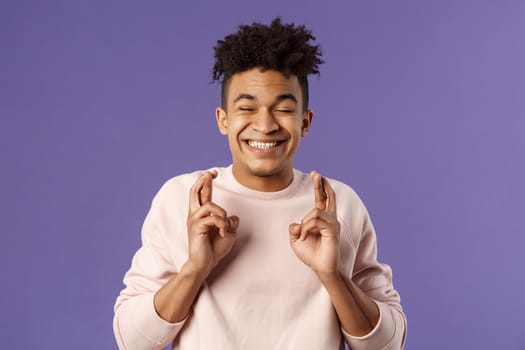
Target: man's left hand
point(315, 240)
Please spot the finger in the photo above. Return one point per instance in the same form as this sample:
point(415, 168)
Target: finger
point(233, 224)
point(330, 196)
point(208, 209)
point(208, 222)
point(313, 226)
point(295, 232)
point(206, 190)
point(319, 194)
point(194, 192)
point(319, 214)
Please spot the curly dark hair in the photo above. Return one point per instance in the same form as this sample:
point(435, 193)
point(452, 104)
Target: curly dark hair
point(278, 46)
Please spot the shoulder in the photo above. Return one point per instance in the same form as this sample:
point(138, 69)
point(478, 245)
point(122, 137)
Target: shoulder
point(349, 204)
point(351, 211)
point(179, 186)
point(348, 201)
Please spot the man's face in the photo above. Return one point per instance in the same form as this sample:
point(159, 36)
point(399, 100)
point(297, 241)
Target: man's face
point(264, 122)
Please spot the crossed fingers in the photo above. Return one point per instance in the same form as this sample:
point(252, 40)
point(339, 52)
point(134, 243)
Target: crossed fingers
point(323, 217)
point(324, 194)
point(202, 210)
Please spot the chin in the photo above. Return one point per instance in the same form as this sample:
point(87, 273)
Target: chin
point(266, 170)
point(263, 172)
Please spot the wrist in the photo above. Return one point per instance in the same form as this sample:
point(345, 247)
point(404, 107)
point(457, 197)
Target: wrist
point(328, 277)
point(194, 272)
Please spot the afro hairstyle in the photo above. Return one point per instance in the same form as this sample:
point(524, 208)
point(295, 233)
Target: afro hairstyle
point(282, 47)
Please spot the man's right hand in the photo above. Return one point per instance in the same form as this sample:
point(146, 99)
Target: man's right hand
point(211, 232)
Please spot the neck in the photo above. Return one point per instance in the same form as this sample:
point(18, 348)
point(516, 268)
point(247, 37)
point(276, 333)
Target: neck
point(264, 183)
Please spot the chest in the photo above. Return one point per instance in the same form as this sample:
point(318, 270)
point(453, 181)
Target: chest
point(262, 260)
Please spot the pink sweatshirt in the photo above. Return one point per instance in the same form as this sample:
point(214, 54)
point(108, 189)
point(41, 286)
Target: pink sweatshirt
point(260, 296)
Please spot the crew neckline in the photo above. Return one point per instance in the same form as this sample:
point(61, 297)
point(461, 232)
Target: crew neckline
point(236, 186)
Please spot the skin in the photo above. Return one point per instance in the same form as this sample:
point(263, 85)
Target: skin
point(315, 241)
point(265, 107)
point(211, 235)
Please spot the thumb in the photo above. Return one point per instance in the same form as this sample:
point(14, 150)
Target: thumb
point(233, 224)
point(295, 232)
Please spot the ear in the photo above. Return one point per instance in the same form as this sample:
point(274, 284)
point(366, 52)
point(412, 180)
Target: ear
point(222, 120)
point(306, 122)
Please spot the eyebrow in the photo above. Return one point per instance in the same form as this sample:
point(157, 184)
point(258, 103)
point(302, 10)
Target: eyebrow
point(244, 96)
point(281, 97)
point(288, 96)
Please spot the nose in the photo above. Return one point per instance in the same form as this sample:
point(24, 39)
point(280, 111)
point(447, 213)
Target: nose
point(264, 122)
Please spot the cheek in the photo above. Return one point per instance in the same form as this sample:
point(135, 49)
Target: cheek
point(294, 128)
point(235, 127)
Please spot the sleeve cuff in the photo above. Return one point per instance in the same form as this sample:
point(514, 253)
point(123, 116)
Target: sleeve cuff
point(380, 337)
point(139, 323)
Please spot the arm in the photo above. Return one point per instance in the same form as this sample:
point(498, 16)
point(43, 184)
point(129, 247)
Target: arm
point(357, 313)
point(152, 309)
point(366, 323)
point(211, 234)
point(375, 280)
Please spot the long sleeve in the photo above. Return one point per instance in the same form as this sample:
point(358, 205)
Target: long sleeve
point(136, 323)
point(375, 279)
point(260, 283)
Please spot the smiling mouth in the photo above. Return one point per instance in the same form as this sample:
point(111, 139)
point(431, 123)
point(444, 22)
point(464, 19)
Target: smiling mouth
point(263, 145)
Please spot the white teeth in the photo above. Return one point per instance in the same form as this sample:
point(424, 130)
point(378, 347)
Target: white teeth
point(262, 145)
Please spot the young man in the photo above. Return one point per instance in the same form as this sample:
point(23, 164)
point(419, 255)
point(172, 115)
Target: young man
point(259, 255)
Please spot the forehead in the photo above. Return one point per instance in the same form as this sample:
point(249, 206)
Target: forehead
point(263, 85)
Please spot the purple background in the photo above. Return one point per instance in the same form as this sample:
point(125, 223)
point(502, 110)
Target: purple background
point(420, 107)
